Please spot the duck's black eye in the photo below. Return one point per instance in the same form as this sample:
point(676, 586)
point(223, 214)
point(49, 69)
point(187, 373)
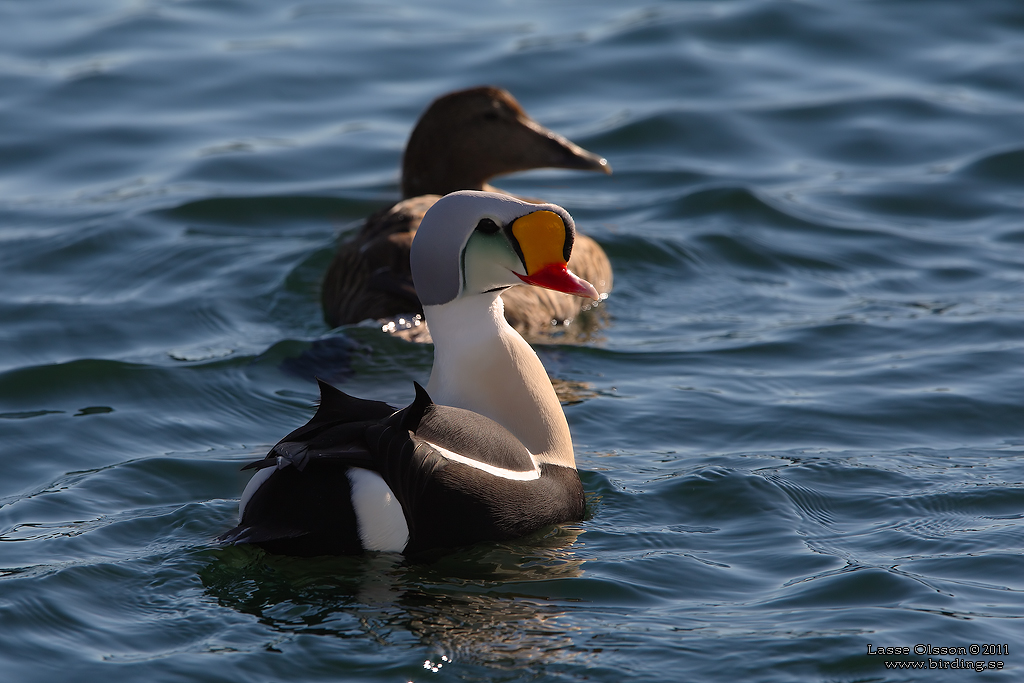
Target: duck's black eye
point(493, 112)
point(487, 226)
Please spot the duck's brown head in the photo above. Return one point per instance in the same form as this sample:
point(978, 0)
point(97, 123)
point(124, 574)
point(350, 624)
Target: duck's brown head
point(467, 137)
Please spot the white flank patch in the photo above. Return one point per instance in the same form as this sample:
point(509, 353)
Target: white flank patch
point(528, 475)
point(250, 488)
point(379, 515)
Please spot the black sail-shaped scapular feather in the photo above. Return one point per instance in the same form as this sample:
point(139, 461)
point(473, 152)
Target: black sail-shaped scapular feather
point(339, 420)
point(336, 405)
point(409, 417)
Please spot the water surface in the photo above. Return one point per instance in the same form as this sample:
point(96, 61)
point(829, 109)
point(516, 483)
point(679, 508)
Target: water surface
point(801, 429)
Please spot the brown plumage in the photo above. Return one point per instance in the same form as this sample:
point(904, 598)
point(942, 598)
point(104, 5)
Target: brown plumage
point(461, 141)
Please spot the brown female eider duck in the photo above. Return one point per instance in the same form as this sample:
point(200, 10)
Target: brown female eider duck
point(461, 141)
point(490, 458)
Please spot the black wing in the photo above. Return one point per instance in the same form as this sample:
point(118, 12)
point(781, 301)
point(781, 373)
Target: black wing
point(449, 503)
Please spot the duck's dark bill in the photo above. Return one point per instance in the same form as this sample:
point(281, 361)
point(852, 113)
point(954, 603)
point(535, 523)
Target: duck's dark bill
point(558, 277)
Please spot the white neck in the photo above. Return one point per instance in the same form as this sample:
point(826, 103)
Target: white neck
point(482, 364)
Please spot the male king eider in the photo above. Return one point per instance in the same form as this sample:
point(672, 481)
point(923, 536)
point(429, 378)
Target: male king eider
point(463, 139)
point(482, 454)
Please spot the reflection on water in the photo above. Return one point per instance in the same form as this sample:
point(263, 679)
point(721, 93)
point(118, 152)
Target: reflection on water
point(464, 607)
point(570, 392)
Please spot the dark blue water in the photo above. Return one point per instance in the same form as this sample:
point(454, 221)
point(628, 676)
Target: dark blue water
point(801, 429)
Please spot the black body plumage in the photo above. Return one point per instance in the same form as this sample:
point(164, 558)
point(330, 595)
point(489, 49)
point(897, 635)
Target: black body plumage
point(305, 507)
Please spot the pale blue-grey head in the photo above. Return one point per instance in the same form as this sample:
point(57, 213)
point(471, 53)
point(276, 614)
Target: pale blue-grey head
point(439, 249)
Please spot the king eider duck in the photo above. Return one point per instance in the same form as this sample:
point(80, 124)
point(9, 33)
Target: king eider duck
point(462, 140)
point(482, 454)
